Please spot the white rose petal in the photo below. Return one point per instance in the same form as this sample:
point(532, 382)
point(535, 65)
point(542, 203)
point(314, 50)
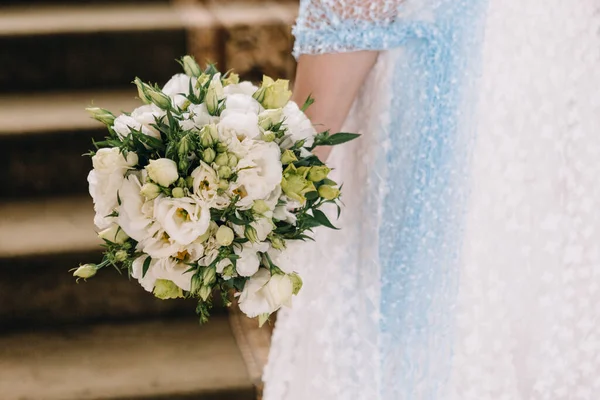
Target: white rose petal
point(298, 126)
point(177, 88)
point(163, 268)
point(241, 103)
point(278, 291)
point(135, 215)
point(246, 88)
point(163, 171)
point(252, 300)
point(114, 234)
point(249, 261)
point(238, 124)
point(141, 119)
point(260, 172)
point(205, 186)
point(183, 219)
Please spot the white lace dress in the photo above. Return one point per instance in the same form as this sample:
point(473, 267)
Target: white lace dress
point(468, 261)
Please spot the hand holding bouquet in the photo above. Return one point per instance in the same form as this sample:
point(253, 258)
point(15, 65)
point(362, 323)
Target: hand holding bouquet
point(201, 189)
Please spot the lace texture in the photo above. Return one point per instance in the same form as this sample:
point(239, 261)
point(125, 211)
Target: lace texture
point(468, 264)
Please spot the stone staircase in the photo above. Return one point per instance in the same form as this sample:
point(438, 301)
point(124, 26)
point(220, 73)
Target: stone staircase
point(107, 338)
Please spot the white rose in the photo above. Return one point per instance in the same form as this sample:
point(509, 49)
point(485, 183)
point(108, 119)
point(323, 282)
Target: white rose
point(252, 300)
point(298, 126)
point(249, 261)
point(163, 268)
point(260, 172)
point(114, 234)
point(141, 119)
point(278, 291)
point(205, 186)
point(241, 103)
point(246, 88)
point(238, 124)
point(105, 180)
point(162, 171)
point(135, 215)
point(177, 88)
point(183, 219)
point(159, 245)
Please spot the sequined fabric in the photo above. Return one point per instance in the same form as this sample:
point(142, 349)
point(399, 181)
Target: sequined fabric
point(468, 264)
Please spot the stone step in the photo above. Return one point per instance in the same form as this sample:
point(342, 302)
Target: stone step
point(40, 241)
point(104, 45)
point(170, 359)
point(43, 137)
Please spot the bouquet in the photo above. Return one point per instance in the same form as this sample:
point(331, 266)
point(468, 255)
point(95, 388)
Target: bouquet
point(199, 191)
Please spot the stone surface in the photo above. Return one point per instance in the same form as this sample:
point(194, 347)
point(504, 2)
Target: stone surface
point(162, 359)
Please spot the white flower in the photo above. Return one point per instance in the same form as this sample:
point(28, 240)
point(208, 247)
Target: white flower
point(246, 88)
point(135, 215)
point(177, 88)
point(141, 119)
point(241, 103)
point(221, 265)
point(206, 184)
point(298, 126)
point(278, 291)
point(249, 260)
point(196, 117)
point(237, 124)
point(183, 219)
point(262, 226)
point(164, 268)
point(163, 171)
point(287, 259)
point(113, 234)
point(284, 211)
point(105, 180)
point(252, 300)
point(159, 245)
point(260, 172)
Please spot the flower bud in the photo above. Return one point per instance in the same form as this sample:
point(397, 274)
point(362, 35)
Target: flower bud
point(205, 292)
point(150, 191)
point(268, 118)
point(273, 94)
point(142, 88)
point(189, 182)
point(159, 98)
point(232, 79)
point(208, 135)
point(190, 66)
point(163, 171)
point(165, 289)
point(277, 242)
point(268, 136)
point(114, 234)
point(318, 173)
point(296, 282)
point(209, 276)
point(222, 159)
point(102, 115)
point(233, 160)
point(294, 183)
point(208, 155)
point(223, 184)
point(178, 193)
point(214, 95)
point(224, 172)
point(228, 271)
point(85, 271)
point(250, 234)
point(224, 235)
point(260, 207)
point(288, 157)
point(121, 256)
point(185, 146)
point(221, 147)
point(329, 192)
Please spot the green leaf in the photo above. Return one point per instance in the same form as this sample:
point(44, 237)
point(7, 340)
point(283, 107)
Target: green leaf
point(146, 265)
point(312, 195)
point(341, 137)
point(322, 218)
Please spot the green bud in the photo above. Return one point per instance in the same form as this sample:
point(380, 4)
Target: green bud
point(224, 172)
point(150, 191)
point(205, 292)
point(318, 173)
point(277, 242)
point(209, 276)
point(232, 79)
point(268, 136)
point(159, 98)
point(250, 234)
point(228, 270)
point(181, 183)
point(296, 282)
point(121, 256)
point(222, 159)
point(294, 183)
point(190, 66)
point(233, 160)
point(196, 284)
point(224, 235)
point(189, 182)
point(85, 271)
point(329, 192)
point(142, 88)
point(178, 193)
point(185, 146)
point(221, 147)
point(214, 94)
point(260, 207)
point(288, 157)
point(223, 184)
point(208, 155)
point(183, 164)
point(208, 135)
point(102, 115)
point(165, 289)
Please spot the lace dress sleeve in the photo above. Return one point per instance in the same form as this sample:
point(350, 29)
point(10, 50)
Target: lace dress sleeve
point(327, 26)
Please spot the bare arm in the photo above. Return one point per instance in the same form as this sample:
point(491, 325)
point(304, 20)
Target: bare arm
point(333, 80)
